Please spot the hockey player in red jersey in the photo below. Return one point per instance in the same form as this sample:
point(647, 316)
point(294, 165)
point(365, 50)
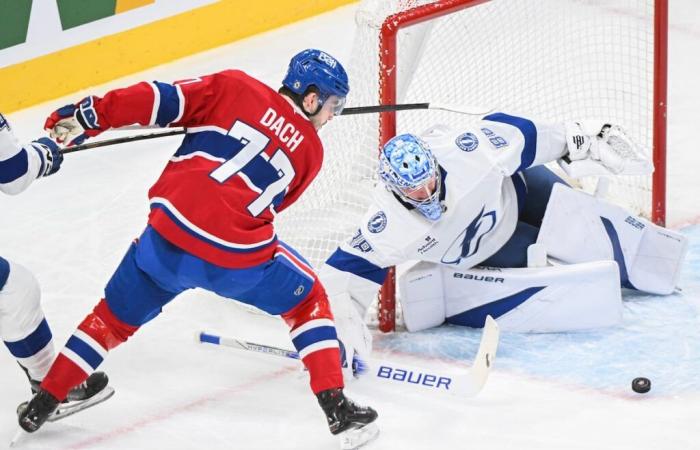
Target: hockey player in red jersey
point(248, 154)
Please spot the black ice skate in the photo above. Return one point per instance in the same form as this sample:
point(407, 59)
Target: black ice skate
point(354, 423)
point(91, 392)
point(32, 415)
point(96, 382)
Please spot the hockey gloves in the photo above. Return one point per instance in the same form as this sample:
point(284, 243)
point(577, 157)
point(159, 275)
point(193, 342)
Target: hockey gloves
point(72, 124)
point(607, 151)
point(51, 156)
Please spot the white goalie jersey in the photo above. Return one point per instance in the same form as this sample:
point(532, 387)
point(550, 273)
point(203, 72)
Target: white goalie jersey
point(479, 167)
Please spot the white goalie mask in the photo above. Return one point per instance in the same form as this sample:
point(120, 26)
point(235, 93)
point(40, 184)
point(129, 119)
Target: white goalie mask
point(408, 168)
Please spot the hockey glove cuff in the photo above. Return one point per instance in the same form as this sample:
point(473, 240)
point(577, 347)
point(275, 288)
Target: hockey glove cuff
point(50, 154)
point(72, 124)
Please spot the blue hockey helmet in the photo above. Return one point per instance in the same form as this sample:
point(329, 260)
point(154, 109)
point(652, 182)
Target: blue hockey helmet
point(313, 67)
point(409, 169)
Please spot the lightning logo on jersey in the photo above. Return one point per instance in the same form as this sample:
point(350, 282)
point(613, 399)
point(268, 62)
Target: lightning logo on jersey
point(467, 243)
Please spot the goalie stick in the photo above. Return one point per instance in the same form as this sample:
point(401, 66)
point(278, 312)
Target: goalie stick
point(468, 110)
point(460, 382)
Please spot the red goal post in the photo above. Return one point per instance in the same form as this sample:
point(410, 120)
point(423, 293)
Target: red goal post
point(632, 82)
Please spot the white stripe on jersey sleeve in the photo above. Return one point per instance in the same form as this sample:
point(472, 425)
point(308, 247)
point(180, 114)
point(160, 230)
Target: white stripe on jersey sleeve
point(156, 104)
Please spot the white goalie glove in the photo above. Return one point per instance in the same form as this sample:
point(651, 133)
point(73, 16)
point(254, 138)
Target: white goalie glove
point(354, 336)
point(606, 152)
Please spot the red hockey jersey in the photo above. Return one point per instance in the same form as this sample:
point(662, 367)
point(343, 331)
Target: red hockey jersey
point(247, 155)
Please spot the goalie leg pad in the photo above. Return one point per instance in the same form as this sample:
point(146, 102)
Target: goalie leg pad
point(578, 227)
point(549, 299)
point(421, 296)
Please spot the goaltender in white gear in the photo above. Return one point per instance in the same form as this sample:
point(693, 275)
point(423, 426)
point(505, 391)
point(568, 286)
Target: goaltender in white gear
point(468, 203)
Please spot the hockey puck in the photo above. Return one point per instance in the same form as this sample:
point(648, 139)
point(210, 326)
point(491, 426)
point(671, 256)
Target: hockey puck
point(641, 385)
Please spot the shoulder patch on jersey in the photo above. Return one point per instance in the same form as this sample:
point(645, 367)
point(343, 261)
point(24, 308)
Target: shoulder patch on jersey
point(377, 222)
point(359, 242)
point(467, 142)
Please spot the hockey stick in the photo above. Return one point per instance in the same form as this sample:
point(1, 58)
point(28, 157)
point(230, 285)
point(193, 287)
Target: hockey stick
point(468, 110)
point(459, 382)
point(122, 140)
point(461, 109)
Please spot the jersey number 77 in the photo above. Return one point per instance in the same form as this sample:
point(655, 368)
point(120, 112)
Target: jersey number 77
point(254, 143)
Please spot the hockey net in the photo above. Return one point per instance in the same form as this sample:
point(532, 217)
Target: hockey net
point(554, 60)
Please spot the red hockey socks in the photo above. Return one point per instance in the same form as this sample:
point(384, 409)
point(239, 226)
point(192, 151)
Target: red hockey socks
point(313, 334)
point(98, 333)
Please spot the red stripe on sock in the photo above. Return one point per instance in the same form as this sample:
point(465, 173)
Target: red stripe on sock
point(63, 375)
point(324, 369)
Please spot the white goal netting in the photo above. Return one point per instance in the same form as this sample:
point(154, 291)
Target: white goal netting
point(553, 60)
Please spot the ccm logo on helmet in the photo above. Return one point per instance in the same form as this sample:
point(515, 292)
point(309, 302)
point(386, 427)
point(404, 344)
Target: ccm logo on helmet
point(328, 59)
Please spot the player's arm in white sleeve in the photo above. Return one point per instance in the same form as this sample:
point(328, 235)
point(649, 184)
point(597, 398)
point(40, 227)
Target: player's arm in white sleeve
point(597, 149)
point(352, 276)
point(20, 164)
point(354, 269)
point(520, 143)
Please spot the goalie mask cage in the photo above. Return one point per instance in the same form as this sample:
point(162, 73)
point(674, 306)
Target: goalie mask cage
point(554, 60)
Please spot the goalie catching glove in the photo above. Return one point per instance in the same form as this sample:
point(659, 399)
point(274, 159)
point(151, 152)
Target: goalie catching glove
point(609, 152)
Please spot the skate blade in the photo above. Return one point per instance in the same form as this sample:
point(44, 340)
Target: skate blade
point(18, 435)
point(68, 409)
point(359, 437)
